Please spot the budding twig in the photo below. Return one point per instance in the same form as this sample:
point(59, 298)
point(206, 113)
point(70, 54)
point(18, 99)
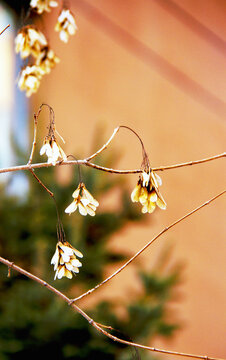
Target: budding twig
point(147, 245)
point(97, 326)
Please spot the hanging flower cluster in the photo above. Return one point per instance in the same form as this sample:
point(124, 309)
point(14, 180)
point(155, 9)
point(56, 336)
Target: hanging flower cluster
point(52, 149)
point(32, 42)
point(84, 201)
point(43, 5)
point(65, 261)
point(147, 192)
point(66, 25)
point(30, 78)
point(29, 41)
point(50, 146)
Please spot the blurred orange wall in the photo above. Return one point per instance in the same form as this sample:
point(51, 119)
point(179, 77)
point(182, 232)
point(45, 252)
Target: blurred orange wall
point(180, 117)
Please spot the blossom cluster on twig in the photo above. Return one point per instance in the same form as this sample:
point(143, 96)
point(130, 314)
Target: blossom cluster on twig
point(146, 191)
point(30, 41)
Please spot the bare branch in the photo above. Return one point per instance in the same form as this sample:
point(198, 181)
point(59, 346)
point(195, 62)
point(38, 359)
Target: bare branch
point(35, 135)
point(105, 145)
point(195, 162)
point(145, 156)
point(102, 168)
point(147, 245)
point(4, 29)
point(41, 183)
point(97, 326)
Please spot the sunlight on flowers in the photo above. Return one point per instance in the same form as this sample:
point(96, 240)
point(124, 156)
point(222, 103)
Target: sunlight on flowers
point(147, 192)
point(65, 261)
point(42, 5)
point(66, 25)
point(29, 79)
point(47, 60)
point(29, 41)
point(53, 150)
point(84, 201)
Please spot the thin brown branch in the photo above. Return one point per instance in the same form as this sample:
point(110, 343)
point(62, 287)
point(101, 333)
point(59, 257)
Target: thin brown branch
point(97, 326)
point(35, 135)
point(41, 183)
point(194, 162)
point(148, 244)
point(4, 29)
point(145, 156)
point(102, 168)
point(104, 146)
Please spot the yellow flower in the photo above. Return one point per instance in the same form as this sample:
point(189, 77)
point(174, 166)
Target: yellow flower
point(29, 41)
point(52, 149)
point(84, 201)
point(47, 60)
point(147, 192)
point(42, 5)
point(29, 79)
point(66, 25)
point(65, 261)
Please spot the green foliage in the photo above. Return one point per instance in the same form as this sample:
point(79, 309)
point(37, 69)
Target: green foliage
point(33, 322)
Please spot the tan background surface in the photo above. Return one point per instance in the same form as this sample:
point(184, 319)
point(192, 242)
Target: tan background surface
point(98, 81)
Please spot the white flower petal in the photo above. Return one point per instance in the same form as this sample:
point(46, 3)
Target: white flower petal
point(76, 193)
point(67, 250)
point(61, 272)
point(69, 266)
point(82, 209)
point(71, 208)
point(43, 149)
point(76, 263)
point(78, 253)
point(68, 274)
point(55, 257)
point(64, 258)
point(146, 178)
point(153, 196)
point(64, 36)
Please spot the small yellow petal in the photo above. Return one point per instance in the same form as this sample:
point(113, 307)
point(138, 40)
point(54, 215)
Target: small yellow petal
point(136, 193)
point(151, 207)
point(161, 203)
point(143, 195)
point(153, 196)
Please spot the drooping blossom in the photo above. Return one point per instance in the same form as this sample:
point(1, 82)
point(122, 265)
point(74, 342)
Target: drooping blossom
point(29, 79)
point(147, 192)
point(47, 60)
point(84, 201)
point(43, 5)
point(29, 41)
point(65, 261)
point(66, 25)
point(52, 149)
